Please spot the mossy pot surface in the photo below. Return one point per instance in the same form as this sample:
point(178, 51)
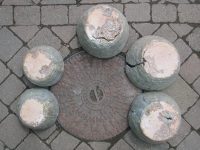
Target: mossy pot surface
point(153, 63)
point(103, 31)
point(154, 117)
point(43, 65)
point(38, 108)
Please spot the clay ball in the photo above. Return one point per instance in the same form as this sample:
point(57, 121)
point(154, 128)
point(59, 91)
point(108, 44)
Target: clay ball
point(154, 117)
point(153, 63)
point(43, 65)
point(38, 108)
point(103, 31)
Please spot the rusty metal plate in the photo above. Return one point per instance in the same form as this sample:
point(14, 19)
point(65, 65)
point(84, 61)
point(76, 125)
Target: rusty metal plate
point(95, 96)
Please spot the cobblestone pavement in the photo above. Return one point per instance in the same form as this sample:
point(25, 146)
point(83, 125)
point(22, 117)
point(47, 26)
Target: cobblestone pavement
point(27, 23)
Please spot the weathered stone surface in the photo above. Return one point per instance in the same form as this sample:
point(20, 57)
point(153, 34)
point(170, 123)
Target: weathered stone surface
point(83, 146)
point(54, 15)
point(17, 2)
point(32, 142)
point(1, 146)
point(95, 1)
point(6, 15)
point(52, 136)
point(121, 144)
point(4, 72)
point(145, 28)
point(10, 89)
point(137, 12)
point(64, 51)
point(27, 15)
point(193, 63)
point(11, 131)
point(174, 1)
point(9, 44)
point(196, 85)
point(99, 145)
point(44, 134)
point(60, 142)
point(74, 44)
point(58, 2)
point(181, 29)
point(3, 111)
point(194, 39)
point(164, 13)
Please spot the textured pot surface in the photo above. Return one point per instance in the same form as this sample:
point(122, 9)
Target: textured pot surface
point(43, 65)
point(103, 31)
point(38, 108)
point(153, 63)
point(154, 117)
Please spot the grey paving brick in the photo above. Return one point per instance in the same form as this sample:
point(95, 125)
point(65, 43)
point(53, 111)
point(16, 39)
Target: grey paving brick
point(25, 32)
point(17, 2)
point(4, 72)
point(36, 1)
point(32, 142)
point(183, 49)
point(74, 44)
point(3, 111)
point(99, 145)
point(12, 132)
point(189, 13)
point(145, 28)
point(6, 15)
point(181, 29)
point(192, 116)
point(190, 70)
point(54, 15)
point(52, 136)
point(27, 15)
point(10, 89)
point(64, 51)
point(14, 105)
point(60, 142)
point(44, 134)
point(191, 142)
point(45, 37)
point(95, 1)
point(121, 144)
point(194, 39)
point(9, 44)
point(182, 133)
point(16, 63)
point(138, 144)
point(126, 1)
point(83, 146)
point(66, 33)
point(182, 93)
point(137, 12)
point(58, 2)
point(1, 146)
point(196, 85)
point(166, 32)
point(175, 1)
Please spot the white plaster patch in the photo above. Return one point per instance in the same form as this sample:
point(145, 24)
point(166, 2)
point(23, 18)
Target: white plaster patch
point(32, 112)
point(160, 121)
point(162, 59)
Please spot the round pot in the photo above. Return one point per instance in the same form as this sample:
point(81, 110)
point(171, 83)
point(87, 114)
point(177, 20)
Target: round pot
point(103, 31)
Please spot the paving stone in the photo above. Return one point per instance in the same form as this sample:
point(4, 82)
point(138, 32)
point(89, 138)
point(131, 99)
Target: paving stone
point(25, 32)
point(54, 15)
point(1, 146)
point(60, 142)
point(194, 39)
point(45, 37)
point(189, 13)
point(95, 1)
point(174, 1)
point(44, 134)
point(137, 12)
point(9, 44)
point(192, 64)
point(3, 111)
point(14, 105)
point(182, 133)
point(16, 63)
point(58, 2)
point(182, 93)
point(17, 2)
point(66, 33)
point(196, 85)
point(10, 89)
point(4, 72)
point(74, 44)
point(166, 32)
point(12, 132)
point(52, 136)
point(181, 29)
point(164, 13)
point(183, 49)
point(36, 1)
point(83, 146)
point(64, 51)
point(191, 142)
point(99, 145)
point(121, 145)
point(27, 15)
point(32, 142)
point(126, 1)
point(192, 116)
point(145, 28)
point(138, 144)
point(6, 15)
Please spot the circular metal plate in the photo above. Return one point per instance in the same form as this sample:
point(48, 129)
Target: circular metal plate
point(95, 96)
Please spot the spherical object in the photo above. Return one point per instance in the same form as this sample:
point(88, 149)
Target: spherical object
point(154, 117)
point(153, 63)
point(103, 31)
point(38, 108)
point(43, 65)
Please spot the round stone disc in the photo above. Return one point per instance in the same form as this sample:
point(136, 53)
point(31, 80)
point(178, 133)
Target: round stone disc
point(95, 96)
